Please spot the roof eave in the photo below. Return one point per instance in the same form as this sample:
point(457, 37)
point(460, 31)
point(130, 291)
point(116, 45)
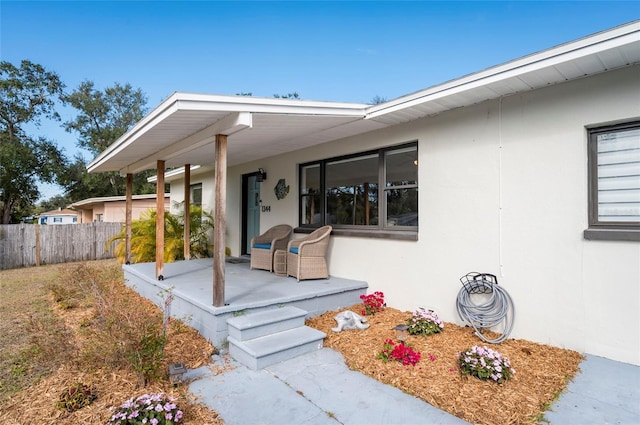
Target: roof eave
point(567, 52)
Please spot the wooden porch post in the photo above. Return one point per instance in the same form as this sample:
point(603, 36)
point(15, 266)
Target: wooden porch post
point(187, 211)
point(219, 220)
point(160, 221)
point(127, 218)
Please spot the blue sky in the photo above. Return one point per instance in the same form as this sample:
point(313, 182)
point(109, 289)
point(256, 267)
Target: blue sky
point(329, 50)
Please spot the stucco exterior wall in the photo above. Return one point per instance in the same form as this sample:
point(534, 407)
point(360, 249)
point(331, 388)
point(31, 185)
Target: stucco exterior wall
point(116, 211)
point(208, 189)
point(503, 190)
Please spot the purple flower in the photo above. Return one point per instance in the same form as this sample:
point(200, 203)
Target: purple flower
point(153, 421)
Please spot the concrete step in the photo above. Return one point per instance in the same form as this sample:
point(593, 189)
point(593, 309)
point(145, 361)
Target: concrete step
point(262, 323)
point(264, 351)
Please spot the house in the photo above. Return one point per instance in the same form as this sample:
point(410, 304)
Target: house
point(529, 170)
point(112, 208)
point(59, 216)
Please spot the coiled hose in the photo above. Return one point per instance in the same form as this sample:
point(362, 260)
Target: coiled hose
point(495, 310)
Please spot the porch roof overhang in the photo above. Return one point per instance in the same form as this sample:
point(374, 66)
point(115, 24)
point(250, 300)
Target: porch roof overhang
point(182, 129)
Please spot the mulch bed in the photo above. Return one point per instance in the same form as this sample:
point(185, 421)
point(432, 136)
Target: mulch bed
point(542, 371)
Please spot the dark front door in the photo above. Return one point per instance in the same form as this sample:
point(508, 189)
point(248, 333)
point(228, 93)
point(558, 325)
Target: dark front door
point(250, 211)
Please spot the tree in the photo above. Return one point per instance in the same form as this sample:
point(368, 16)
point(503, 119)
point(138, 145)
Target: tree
point(293, 95)
point(79, 184)
point(378, 100)
point(27, 94)
point(103, 116)
point(53, 203)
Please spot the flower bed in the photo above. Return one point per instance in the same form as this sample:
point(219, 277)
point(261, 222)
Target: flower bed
point(543, 370)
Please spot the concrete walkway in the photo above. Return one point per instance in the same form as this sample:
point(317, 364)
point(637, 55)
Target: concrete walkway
point(318, 388)
point(603, 392)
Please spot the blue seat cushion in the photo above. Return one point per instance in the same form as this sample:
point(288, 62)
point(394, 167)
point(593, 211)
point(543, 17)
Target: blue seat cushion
point(262, 245)
point(293, 249)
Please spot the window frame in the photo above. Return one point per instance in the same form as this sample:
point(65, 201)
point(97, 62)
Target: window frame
point(192, 189)
point(598, 229)
point(382, 229)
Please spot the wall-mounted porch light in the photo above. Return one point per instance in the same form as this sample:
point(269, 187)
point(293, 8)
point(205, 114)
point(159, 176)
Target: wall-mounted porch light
point(261, 175)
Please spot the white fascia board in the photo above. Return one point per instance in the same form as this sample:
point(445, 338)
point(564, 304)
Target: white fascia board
point(206, 102)
point(591, 45)
point(175, 172)
point(102, 199)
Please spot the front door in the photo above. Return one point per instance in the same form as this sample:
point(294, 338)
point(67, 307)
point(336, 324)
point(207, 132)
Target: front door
point(250, 211)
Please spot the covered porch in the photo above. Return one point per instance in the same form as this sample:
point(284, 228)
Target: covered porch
point(247, 291)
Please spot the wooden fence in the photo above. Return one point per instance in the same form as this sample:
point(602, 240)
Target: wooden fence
point(25, 245)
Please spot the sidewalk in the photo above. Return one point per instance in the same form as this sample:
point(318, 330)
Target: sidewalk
point(318, 388)
point(602, 392)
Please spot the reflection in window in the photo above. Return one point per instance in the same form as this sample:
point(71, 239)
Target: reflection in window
point(352, 191)
point(196, 194)
point(310, 196)
point(401, 188)
point(347, 191)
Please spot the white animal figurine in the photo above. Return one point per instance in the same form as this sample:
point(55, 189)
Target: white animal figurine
point(349, 320)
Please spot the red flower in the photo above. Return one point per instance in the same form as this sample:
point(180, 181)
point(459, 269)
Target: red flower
point(373, 303)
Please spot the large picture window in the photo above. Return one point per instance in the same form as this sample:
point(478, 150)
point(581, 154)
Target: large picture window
point(375, 190)
point(614, 182)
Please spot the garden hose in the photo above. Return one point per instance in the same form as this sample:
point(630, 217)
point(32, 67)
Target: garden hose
point(496, 310)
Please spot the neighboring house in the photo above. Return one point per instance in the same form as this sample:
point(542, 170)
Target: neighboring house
point(58, 216)
point(112, 208)
point(529, 170)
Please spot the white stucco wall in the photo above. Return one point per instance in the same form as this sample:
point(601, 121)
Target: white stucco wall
point(503, 190)
point(204, 176)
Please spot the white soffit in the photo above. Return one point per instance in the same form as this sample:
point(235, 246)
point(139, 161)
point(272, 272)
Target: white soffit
point(598, 53)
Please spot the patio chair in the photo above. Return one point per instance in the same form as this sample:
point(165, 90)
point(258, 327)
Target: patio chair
point(306, 256)
point(264, 246)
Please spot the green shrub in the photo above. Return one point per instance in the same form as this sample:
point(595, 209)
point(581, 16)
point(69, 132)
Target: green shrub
point(143, 237)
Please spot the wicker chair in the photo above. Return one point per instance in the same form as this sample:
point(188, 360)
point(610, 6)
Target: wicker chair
point(264, 246)
point(306, 256)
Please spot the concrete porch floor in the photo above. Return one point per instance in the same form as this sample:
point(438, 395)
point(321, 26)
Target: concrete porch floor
point(246, 291)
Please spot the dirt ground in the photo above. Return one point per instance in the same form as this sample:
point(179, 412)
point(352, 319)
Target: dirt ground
point(542, 371)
